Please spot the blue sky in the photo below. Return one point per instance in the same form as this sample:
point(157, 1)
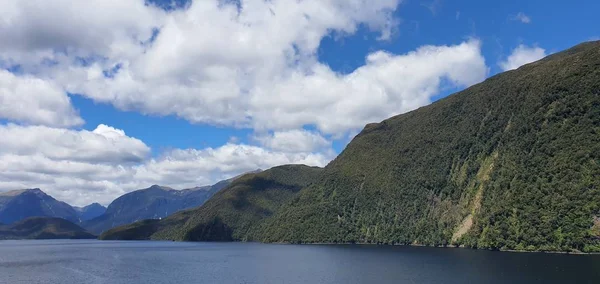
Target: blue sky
point(554, 26)
point(103, 97)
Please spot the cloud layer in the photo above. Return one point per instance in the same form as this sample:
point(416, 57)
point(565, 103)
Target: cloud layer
point(249, 64)
point(252, 65)
point(82, 167)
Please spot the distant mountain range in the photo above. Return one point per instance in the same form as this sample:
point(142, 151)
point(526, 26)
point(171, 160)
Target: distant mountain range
point(43, 228)
point(154, 202)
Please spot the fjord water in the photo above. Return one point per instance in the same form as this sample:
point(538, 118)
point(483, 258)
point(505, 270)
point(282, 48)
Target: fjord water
point(167, 262)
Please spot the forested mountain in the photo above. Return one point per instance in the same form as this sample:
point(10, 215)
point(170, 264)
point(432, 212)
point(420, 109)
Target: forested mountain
point(234, 213)
point(511, 163)
point(43, 228)
point(21, 204)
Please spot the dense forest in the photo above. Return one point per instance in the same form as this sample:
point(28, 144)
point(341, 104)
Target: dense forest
point(512, 163)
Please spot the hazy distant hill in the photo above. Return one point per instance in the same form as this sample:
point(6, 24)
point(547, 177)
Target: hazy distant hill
point(43, 228)
point(234, 213)
point(154, 202)
point(90, 212)
point(511, 163)
point(20, 204)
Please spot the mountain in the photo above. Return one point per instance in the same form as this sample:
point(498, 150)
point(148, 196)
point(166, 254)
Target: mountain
point(90, 212)
point(154, 202)
point(511, 163)
point(234, 213)
point(20, 204)
point(43, 228)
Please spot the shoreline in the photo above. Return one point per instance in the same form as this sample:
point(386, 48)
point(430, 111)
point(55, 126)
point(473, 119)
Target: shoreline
point(444, 247)
point(373, 244)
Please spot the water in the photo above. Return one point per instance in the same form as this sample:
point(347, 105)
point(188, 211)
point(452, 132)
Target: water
point(167, 262)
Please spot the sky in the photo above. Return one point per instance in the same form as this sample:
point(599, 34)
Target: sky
point(102, 97)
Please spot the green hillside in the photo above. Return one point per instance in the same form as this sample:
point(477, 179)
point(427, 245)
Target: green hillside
point(43, 228)
point(511, 163)
point(234, 213)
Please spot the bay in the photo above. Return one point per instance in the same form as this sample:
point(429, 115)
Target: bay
point(85, 261)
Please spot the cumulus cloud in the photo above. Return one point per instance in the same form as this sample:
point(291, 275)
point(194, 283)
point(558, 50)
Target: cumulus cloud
point(252, 65)
point(31, 100)
point(103, 145)
point(249, 63)
point(294, 141)
point(521, 17)
point(82, 167)
point(522, 55)
point(44, 29)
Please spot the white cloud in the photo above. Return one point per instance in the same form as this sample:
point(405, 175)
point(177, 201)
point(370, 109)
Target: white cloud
point(31, 100)
point(103, 145)
point(521, 17)
point(387, 85)
point(191, 166)
point(81, 167)
point(251, 66)
point(294, 141)
point(522, 55)
point(35, 29)
point(255, 67)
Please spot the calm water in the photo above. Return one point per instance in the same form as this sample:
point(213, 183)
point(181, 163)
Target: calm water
point(166, 262)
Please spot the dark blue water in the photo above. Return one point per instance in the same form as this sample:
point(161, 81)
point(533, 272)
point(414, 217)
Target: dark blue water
point(167, 262)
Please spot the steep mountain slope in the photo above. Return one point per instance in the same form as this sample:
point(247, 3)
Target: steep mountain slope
point(154, 202)
point(235, 213)
point(20, 204)
point(511, 163)
point(43, 228)
point(90, 212)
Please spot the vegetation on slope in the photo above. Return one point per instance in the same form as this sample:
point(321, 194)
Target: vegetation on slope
point(511, 163)
point(234, 213)
point(43, 228)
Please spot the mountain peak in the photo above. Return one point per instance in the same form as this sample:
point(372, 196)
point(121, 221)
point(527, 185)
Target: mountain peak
point(165, 188)
point(21, 191)
point(17, 205)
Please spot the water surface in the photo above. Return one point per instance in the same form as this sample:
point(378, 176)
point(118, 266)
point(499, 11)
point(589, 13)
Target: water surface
point(168, 262)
